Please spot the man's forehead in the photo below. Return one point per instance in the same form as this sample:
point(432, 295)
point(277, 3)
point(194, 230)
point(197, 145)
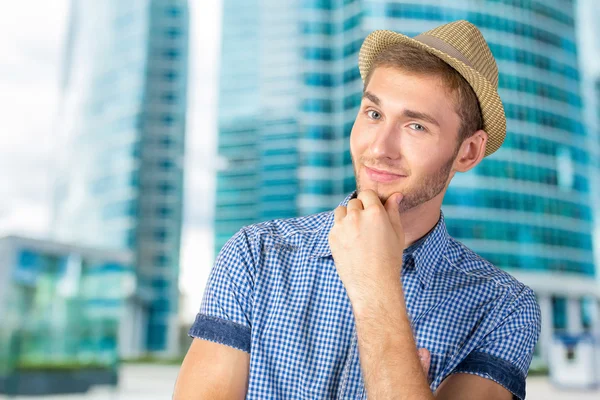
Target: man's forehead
point(417, 92)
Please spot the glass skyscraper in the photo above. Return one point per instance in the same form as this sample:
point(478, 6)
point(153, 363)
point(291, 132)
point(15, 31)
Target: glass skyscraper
point(123, 121)
point(257, 118)
point(528, 208)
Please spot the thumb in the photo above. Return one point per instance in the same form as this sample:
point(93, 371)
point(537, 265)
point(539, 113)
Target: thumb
point(425, 358)
point(393, 210)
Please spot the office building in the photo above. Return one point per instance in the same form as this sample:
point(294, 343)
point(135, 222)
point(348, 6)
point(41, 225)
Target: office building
point(123, 125)
point(257, 117)
point(62, 304)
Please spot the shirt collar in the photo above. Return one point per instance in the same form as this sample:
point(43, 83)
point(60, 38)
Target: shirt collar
point(426, 251)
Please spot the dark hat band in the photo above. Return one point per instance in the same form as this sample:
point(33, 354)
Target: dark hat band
point(444, 47)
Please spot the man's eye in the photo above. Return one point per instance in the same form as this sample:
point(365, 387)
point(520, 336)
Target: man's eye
point(373, 114)
point(417, 127)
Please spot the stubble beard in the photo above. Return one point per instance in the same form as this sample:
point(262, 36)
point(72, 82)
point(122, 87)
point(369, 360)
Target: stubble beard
point(429, 187)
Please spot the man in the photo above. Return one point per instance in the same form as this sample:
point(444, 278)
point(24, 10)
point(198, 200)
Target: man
point(375, 298)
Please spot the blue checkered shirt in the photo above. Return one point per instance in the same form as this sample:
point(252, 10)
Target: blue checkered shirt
point(274, 292)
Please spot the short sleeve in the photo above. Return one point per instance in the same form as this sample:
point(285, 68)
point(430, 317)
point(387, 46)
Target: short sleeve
point(226, 310)
point(505, 353)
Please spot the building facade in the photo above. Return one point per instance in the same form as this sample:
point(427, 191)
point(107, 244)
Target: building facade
point(123, 125)
point(63, 304)
point(257, 115)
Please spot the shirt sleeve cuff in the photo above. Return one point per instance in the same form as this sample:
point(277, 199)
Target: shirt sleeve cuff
point(221, 331)
point(496, 369)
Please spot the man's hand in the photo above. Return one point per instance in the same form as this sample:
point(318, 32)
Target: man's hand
point(367, 241)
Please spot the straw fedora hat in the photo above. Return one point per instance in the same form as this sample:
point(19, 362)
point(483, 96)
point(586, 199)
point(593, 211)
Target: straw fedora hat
point(461, 45)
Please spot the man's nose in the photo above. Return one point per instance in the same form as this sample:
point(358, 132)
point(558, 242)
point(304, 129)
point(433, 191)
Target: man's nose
point(385, 143)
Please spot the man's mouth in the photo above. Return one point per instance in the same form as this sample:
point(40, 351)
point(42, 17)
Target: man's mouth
point(382, 175)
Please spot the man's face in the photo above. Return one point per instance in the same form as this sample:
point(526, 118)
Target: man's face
point(404, 138)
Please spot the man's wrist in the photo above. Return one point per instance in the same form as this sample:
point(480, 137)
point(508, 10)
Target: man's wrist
point(381, 302)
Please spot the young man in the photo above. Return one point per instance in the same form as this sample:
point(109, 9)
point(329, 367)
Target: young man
point(375, 298)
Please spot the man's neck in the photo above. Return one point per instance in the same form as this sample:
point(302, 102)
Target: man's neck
point(418, 221)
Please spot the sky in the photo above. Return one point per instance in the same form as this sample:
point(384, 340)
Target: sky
point(32, 34)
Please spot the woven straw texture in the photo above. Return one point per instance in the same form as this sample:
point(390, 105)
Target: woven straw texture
point(471, 57)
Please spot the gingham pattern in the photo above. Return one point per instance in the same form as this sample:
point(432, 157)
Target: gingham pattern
point(278, 281)
point(461, 45)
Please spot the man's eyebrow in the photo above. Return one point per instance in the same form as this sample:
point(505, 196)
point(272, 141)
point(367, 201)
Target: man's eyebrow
point(406, 113)
point(372, 97)
point(420, 115)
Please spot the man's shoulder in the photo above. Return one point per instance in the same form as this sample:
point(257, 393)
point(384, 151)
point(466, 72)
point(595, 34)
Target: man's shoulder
point(467, 262)
point(294, 232)
point(284, 227)
point(487, 282)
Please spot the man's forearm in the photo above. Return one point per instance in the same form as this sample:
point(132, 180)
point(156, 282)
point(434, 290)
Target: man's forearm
point(387, 349)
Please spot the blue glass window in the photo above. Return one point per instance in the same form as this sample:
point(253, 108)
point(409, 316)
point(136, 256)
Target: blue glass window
point(131, 238)
point(170, 75)
point(516, 201)
point(317, 159)
point(164, 211)
point(173, 11)
point(161, 260)
point(167, 119)
point(166, 188)
point(482, 20)
point(559, 313)
point(166, 164)
point(319, 4)
point(168, 98)
point(318, 187)
point(320, 28)
point(157, 337)
point(173, 32)
point(160, 234)
point(161, 305)
point(171, 54)
point(160, 283)
point(320, 132)
point(545, 118)
point(518, 233)
point(317, 105)
point(318, 53)
point(319, 79)
point(135, 179)
point(166, 141)
point(351, 75)
point(352, 101)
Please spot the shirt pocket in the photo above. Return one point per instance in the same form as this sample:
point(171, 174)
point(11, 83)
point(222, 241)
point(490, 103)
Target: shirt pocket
point(441, 351)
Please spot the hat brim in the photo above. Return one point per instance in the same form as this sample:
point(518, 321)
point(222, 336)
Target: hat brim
point(492, 110)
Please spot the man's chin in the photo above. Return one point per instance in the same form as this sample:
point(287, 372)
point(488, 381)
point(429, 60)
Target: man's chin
point(383, 195)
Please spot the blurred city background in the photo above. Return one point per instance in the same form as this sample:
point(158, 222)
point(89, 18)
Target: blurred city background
point(140, 135)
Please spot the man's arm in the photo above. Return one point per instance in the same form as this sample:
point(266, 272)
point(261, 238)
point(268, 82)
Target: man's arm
point(212, 371)
point(217, 363)
point(389, 360)
point(388, 353)
point(471, 387)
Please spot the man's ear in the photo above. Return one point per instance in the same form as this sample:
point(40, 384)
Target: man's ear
point(471, 151)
